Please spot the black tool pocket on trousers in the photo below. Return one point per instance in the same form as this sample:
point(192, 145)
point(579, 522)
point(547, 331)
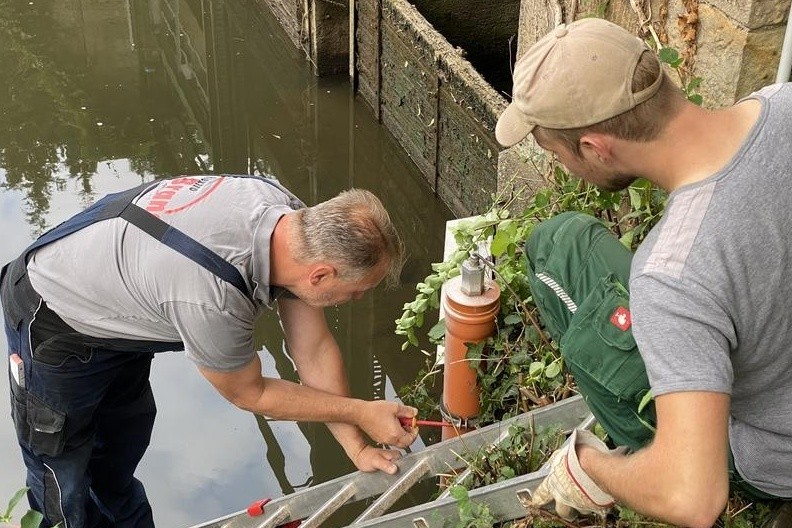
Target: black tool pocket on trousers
point(55, 343)
point(61, 350)
point(599, 341)
point(46, 435)
point(19, 412)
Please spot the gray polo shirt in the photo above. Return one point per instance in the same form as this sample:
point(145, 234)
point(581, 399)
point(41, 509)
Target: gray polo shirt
point(112, 280)
point(711, 294)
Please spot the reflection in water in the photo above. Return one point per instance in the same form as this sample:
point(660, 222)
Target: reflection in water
point(98, 96)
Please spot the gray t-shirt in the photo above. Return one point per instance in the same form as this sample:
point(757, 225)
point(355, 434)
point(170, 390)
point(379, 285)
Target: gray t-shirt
point(711, 294)
point(112, 280)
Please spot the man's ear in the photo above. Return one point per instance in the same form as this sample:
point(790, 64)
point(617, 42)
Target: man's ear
point(320, 272)
point(596, 146)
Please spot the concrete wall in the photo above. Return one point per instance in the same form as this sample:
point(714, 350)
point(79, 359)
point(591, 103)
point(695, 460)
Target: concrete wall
point(422, 88)
point(484, 30)
point(368, 48)
point(435, 103)
point(319, 27)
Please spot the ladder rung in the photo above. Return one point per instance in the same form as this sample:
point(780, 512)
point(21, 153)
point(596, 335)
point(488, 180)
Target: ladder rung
point(399, 488)
point(275, 518)
point(329, 507)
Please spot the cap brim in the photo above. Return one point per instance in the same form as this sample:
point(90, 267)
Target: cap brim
point(512, 126)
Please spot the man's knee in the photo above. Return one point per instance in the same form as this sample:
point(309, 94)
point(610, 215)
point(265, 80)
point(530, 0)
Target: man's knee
point(59, 488)
point(567, 257)
point(563, 228)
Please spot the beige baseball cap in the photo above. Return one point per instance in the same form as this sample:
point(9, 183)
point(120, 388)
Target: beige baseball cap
point(576, 75)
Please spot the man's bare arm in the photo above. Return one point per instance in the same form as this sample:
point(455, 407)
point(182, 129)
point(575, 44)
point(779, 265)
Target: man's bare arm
point(320, 365)
point(323, 396)
point(682, 476)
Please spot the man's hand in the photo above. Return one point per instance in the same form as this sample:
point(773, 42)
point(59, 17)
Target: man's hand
point(568, 485)
point(380, 421)
point(372, 458)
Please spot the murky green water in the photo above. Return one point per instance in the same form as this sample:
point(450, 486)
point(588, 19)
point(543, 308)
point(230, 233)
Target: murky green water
point(98, 96)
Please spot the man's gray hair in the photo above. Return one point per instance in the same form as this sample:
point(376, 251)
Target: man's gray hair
point(354, 232)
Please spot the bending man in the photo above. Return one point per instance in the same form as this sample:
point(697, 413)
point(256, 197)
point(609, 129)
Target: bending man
point(187, 263)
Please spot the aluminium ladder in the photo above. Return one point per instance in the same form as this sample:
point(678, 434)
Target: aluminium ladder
point(504, 499)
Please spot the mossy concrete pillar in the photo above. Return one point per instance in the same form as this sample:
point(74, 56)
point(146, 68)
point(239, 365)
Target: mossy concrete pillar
point(319, 27)
point(329, 36)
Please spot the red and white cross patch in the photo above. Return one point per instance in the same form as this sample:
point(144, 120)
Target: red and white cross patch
point(621, 318)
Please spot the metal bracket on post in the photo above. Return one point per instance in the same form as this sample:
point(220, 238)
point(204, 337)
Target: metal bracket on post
point(473, 275)
point(459, 422)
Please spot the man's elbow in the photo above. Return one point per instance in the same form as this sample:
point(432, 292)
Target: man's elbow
point(243, 388)
point(244, 403)
point(698, 509)
point(247, 398)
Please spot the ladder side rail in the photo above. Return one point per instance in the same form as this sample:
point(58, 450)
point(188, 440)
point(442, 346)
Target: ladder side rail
point(441, 457)
point(503, 499)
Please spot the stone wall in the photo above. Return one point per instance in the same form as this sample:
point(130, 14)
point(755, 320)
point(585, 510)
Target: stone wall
point(734, 46)
point(739, 47)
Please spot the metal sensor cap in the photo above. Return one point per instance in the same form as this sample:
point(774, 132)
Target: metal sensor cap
point(473, 276)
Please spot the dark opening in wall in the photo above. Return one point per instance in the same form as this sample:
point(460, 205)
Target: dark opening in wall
point(485, 29)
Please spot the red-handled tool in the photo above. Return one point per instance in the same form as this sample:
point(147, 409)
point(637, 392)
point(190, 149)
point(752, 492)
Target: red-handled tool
point(415, 422)
point(257, 508)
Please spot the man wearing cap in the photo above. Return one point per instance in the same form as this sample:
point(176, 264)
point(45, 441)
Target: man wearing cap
point(706, 323)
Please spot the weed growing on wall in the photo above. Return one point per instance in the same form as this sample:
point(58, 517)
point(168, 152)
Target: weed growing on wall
point(689, 84)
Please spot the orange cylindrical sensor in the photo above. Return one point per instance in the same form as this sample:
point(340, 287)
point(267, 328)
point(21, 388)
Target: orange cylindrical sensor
point(468, 319)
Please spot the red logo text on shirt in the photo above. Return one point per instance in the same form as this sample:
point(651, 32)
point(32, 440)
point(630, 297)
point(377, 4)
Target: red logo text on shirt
point(621, 318)
point(180, 193)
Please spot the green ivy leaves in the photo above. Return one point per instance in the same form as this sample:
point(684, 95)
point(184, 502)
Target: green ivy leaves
point(31, 519)
point(690, 86)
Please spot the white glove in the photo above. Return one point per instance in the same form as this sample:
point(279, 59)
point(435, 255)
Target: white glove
point(569, 486)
